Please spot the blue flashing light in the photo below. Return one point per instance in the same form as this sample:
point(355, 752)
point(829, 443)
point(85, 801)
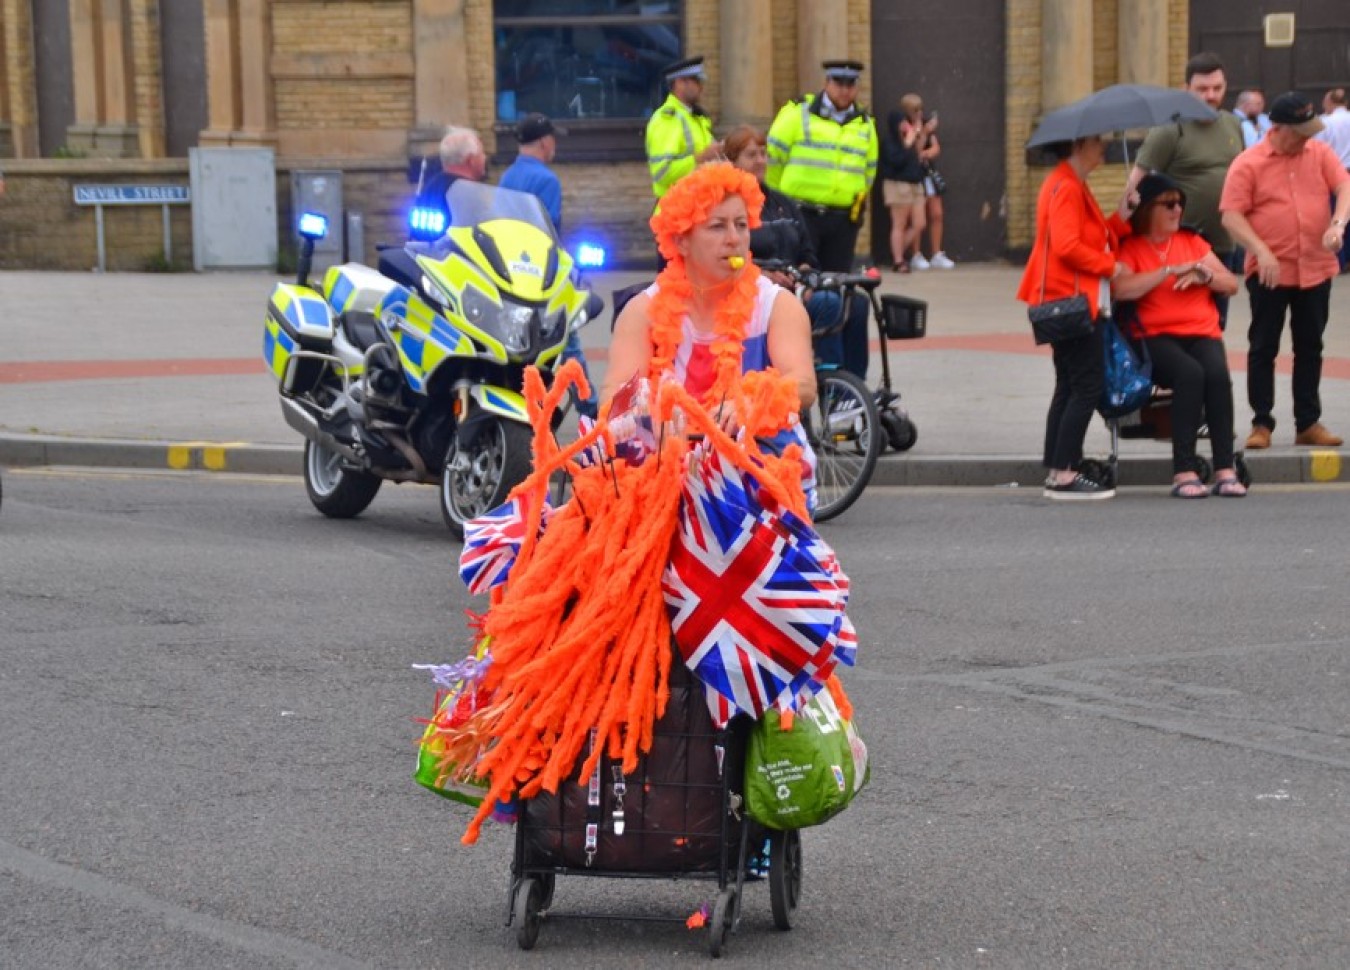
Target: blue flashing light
point(591, 256)
point(313, 225)
point(426, 223)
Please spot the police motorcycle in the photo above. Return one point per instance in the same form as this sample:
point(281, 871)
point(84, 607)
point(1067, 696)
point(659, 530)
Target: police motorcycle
point(412, 372)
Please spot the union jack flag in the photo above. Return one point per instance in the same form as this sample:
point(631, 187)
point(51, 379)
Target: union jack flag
point(755, 615)
point(846, 642)
point(491, 543)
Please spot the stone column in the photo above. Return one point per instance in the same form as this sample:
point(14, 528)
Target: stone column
point(257, 108)
point(1066, 52)
point(222, 73)
point(240, 109)
point(747, 63)
point(18, 85)
point(85, 57)
point(441, 79)
point(105, 106)
point(1142, 36)
point(822, 35)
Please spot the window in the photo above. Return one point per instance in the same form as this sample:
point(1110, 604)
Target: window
point(584, 62)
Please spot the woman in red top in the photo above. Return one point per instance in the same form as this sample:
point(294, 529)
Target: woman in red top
point(1075, 246)
point(1173, 276)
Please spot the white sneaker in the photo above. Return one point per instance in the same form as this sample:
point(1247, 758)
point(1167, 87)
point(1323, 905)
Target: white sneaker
point(941, 261)
point(918, 262)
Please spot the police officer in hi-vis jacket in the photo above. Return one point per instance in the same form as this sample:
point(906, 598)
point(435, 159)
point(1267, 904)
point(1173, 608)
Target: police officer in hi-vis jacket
point(680, 134)
point(823, 154)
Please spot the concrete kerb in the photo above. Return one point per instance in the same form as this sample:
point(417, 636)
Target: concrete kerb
point(930, 471)
point(238, 457)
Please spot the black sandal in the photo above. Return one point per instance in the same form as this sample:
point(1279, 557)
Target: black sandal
point(1179, 489)
point(1229, 487)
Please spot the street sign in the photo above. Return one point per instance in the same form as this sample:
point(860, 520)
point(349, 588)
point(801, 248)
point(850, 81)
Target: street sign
point(131, 194)
point(161, 195)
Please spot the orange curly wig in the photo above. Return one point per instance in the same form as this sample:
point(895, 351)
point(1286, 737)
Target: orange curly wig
point(692, 199)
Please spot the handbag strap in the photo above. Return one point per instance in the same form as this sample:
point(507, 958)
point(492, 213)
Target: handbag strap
point(1045, 264)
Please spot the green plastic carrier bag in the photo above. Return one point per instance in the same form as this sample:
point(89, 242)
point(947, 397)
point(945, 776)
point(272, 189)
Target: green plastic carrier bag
point(807, 774)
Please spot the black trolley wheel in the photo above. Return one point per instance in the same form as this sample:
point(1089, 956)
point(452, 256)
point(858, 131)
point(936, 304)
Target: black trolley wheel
point(548, 881)
point(901, 431)
point(1244, 473)
point(846, 434)
point(525, 913)
point(785, 876)
point(723, 921)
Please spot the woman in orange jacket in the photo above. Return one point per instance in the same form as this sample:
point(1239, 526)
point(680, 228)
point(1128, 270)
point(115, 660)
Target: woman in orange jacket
point(1077, 257)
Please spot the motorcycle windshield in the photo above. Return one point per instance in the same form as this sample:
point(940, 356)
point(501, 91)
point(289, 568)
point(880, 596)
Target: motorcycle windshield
point(474, 203)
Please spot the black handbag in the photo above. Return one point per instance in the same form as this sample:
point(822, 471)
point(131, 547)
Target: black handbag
point(1056, 320)
point(937, 180)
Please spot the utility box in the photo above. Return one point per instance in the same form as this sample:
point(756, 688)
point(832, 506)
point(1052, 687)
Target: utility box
point(234, 208)
point(320, 190)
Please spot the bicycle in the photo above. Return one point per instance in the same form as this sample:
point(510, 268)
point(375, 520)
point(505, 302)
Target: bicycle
point(850, 424)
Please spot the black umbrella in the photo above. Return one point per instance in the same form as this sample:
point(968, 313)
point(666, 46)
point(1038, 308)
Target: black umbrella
point(1119, 108)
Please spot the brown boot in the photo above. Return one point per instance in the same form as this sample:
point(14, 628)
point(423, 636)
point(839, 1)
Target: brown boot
point(1259, 438)
point(1316, 434)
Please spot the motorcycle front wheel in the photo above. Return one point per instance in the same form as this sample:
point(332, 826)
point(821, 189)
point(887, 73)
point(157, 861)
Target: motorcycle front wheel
point(478, 480)
point(337, 492)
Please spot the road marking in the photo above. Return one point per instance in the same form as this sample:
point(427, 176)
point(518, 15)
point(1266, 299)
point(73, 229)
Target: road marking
point(1325, 466)
point(1039, 684)
point(273, 946)
point(47, 371)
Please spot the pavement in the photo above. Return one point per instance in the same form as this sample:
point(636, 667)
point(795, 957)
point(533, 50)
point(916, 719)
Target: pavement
point(165, 371)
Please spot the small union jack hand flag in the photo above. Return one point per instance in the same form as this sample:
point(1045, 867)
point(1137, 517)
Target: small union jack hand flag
point(491, 543)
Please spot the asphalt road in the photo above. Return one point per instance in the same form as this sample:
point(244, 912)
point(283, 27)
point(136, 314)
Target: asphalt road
point(1104, 736)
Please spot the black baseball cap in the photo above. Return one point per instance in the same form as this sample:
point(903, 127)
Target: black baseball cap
point(1295, 111)
point(535, 126)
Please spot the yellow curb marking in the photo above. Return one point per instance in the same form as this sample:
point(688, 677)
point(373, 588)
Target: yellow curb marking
point(1325, 466)
point(180, 456)
point(209, 455)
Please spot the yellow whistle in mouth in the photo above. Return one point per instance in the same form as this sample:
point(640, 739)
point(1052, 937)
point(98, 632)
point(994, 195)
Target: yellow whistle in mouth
point(735, 262)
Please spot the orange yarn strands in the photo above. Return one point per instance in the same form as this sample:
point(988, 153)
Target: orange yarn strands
point(580, 638)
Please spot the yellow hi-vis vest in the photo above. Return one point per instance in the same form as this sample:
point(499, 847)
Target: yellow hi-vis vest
point(675, 136)
point(815, 159)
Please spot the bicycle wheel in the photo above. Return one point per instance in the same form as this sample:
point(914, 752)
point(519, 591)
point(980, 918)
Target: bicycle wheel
point(845, 433)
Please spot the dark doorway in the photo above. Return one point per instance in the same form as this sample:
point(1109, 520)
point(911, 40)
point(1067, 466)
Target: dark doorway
point(953, 54)
point(55, 80)
point(183, 49)
point(1318, 60)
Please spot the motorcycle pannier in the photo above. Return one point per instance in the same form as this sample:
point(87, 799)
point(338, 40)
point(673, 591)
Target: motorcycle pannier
point(297, 319)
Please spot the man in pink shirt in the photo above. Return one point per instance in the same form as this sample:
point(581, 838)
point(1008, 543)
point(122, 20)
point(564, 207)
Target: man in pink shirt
point(1274, 204)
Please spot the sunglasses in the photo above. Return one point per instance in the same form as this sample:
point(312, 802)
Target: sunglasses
point(1172, 204)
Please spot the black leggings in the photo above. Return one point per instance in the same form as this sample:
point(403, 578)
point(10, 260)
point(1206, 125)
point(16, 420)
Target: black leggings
point(1196, 369)
point(1079, 376)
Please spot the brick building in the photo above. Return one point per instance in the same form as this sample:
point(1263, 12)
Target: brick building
point(122, 89)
